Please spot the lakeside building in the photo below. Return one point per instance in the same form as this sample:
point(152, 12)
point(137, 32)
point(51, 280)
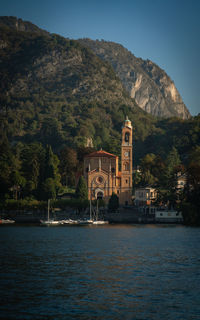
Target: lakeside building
point(101, 171)
point(168, 216)
point(145, 196)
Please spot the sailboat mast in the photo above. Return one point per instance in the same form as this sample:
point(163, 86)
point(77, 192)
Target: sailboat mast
point(97, 210)
point(48, 209)
point(90, 209)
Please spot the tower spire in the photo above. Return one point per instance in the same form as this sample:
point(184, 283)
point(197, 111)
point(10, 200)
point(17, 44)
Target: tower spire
point(126, 162)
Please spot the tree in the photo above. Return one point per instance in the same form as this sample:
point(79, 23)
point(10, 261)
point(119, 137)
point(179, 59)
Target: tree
point(113, 203)
point(172, 161)
point(191, 204)
point(6, 167)
point(147, 164)
point(18, 182)
point(49, 170)
point(11, 175)
point(137, 177)
point(81, 189)
point(32, 157)
point(68, 165)
point(49, 189)
point(167, 188)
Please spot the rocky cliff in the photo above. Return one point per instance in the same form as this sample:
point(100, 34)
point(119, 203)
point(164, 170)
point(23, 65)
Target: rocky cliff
point(20, 25)
point(149, 85)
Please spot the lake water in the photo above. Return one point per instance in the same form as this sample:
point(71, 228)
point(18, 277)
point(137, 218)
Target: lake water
point(100, 272)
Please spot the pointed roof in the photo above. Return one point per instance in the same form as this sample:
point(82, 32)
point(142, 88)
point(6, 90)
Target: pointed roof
point(101, 153)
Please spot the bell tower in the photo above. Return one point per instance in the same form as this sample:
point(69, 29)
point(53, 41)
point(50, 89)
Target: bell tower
point(126, 163)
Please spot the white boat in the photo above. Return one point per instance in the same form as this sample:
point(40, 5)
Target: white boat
point(4, 221)
point(69, 221)
point(50, 222)
point(95, 219)
point(100, 222)
point(85, 221)
point(77, 222)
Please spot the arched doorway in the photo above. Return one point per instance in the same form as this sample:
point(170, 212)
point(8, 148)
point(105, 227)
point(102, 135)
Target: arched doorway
point(100, 195)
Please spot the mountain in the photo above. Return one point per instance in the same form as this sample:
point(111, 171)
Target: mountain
point(149, 85)
point(20, 25)
point(58, 91)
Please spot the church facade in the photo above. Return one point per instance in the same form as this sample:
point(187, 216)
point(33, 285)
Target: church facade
point(101, 171)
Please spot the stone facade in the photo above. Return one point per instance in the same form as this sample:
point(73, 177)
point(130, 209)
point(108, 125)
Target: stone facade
point(101, 171)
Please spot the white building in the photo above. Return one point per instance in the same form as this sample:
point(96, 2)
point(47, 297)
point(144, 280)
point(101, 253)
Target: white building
point(145, 196)
point(168, 216)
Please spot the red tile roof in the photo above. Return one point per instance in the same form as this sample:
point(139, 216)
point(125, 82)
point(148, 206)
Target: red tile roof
point(101, 153)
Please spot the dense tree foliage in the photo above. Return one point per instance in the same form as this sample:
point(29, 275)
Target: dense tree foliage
point(190, 205)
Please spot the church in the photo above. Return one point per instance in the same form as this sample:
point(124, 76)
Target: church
point(101, 171)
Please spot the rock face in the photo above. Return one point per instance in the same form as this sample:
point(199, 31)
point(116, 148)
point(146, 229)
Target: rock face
point(20, 25)
point(149, 85)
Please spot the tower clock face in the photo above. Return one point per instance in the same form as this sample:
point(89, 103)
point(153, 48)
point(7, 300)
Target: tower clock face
point(126, 153)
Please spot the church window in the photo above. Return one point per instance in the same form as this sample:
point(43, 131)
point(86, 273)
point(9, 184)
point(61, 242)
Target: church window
point(127, 135)
point(113, 170)
point(126, 166)
point(100, 179)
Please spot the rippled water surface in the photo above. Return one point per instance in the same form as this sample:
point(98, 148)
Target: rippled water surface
point(100, 272)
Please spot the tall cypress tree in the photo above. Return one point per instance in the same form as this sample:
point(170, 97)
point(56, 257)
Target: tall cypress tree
point(81, 189)
point(50, 175)
point(49, 170)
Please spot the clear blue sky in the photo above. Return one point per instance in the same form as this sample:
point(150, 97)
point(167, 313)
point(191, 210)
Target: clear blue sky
point(164, 31)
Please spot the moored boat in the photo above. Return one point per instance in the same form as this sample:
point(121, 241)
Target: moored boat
point(50, 222)
point(4, 221)
point(100, 222)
